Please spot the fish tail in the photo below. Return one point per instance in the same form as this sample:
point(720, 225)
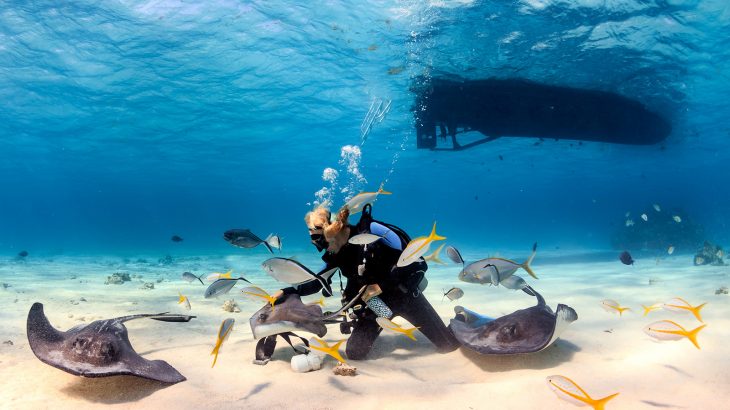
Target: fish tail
point(696, 311)
point(692, 335)
point(182, 298)
point(409, 332)
point(226, 275)
point(621, 310)
point(434, 236)
point(646, 310)
point(215, 359)
point(600, 404)
point(266, 244)
point(330, 350)
point(201, 280)
point(526, 266)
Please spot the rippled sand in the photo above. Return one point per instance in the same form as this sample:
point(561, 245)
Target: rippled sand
point(603, 352)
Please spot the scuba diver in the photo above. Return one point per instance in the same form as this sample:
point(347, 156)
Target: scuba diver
point(389, 290)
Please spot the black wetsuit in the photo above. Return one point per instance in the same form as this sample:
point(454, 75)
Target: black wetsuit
point(400, 294)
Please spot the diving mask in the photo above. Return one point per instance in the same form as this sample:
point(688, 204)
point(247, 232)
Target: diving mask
point(319, 241)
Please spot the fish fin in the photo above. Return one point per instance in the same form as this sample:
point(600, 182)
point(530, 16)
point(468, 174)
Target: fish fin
point(696, 311)
point(435, 255)
point(434, 236)
point(526, 266)
point(599, 404)
point(646, 309)
point(692, 335)
point(244, 279)
point(215, 358)
point(409, 332)
point(323, 278)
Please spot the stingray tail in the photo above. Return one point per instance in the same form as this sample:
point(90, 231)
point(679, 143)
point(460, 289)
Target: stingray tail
point(526, 266)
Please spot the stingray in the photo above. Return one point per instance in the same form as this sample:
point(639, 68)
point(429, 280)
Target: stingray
point(290, 314)
point(524, 331)
point(98, 349)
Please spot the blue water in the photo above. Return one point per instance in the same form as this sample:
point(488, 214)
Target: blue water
point(126, 122)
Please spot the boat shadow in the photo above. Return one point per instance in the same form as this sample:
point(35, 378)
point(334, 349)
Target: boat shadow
point(558, 353)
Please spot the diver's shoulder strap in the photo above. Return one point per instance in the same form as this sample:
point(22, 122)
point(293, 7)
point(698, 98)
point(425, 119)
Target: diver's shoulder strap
point(363, 226)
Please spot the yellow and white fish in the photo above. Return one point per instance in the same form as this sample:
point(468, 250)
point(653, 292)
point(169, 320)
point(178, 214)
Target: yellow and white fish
point(650, 308)
point(680, 305)
point(644, 217)
point(677, 219)
point(417, 247)
point(356, 203)
point(223, 333)
point(257, 292)
point(668, 330)
point(388, 324)
point(569, 390)
point(217, 275)
point(434, 256)
point(657, 208)
point(319, 302)
point(333, 350)
point(612, 306)
point(670, 249)
point(185, 300)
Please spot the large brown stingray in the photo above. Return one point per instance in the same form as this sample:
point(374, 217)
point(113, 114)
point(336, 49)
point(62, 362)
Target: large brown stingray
point(98, 349)
point(524, 331)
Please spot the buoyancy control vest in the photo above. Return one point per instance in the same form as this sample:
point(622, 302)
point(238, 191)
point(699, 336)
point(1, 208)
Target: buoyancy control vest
point(408, 277)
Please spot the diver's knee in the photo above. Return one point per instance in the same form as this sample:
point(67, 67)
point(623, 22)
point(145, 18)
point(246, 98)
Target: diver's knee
point(356, 353)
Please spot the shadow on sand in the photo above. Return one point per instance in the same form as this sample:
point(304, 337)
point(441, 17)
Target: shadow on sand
point(558, 353)
point(112, 390)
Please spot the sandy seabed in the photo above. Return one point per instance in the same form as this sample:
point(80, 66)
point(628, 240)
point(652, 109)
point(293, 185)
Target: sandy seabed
point(603, 352)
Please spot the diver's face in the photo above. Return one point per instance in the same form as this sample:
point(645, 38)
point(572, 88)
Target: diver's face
point(316, 223)
point(316, 234)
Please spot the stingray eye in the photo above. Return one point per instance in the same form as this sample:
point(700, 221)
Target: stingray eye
point(108, 350)
point(508, 332)
point(80, 343)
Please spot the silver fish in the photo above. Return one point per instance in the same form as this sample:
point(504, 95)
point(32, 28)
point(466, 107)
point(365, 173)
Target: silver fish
point(244, 238)
point(294, 273)
point(221, 286)
point(454, 293)
point(495, 270)
point(190, 277)
point(274, 241)
point(514, 282)
point(454, 255)
point(365, 238)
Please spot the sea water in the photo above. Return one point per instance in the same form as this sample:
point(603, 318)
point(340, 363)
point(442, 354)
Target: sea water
point(126, 122)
